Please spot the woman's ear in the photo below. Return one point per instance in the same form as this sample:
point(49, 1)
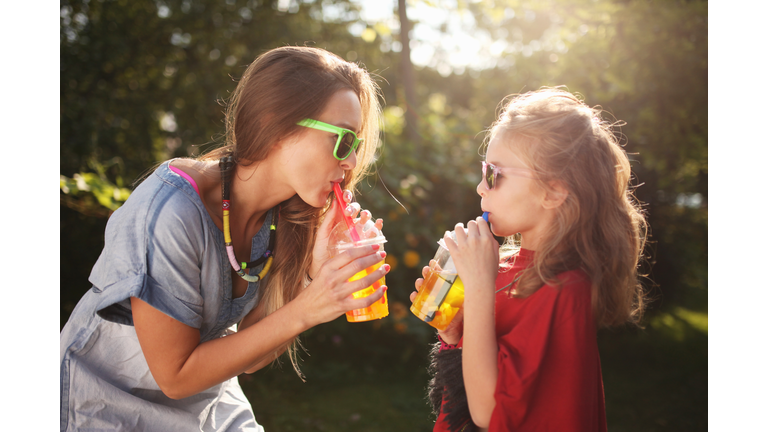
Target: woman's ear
point(555, 195)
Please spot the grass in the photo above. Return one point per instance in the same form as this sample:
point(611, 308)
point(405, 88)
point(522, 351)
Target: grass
point(655, 379)
point(375, 405)
point(339, 395)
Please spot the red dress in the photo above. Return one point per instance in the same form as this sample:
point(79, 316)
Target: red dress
point(549, 366)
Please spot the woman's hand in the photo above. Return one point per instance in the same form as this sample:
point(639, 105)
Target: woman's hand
point(320, 251)
point(452, 334)
point(330, 293)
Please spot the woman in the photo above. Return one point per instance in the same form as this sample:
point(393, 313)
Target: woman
point(153, 344)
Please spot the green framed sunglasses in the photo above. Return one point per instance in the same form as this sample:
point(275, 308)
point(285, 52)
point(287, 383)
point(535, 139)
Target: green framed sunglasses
point(346, 143)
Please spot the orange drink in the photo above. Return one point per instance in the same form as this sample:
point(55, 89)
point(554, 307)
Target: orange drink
point(440, 298)
point(378, 310)
point(367, 235)
point(442, 293)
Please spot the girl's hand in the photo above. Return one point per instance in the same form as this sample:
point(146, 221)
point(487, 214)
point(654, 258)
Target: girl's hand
point(452, 334)
point(320, 251)
point(476, 255)
point(330, 293)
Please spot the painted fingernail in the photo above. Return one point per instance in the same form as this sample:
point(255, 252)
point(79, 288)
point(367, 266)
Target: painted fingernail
point(386, 268)
point(376, 247)
point(383, 298)
point(382, 254)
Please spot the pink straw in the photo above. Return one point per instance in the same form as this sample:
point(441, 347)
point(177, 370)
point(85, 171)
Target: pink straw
point(347, 219)
point(351, 226)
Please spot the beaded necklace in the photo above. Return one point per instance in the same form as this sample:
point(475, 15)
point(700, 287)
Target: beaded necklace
point(225, 165)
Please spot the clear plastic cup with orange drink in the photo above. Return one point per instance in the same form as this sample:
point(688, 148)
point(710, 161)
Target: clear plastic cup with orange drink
point(346, 235)
point(442, 293)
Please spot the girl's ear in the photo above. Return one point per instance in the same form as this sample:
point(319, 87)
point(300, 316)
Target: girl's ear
point(555, 196)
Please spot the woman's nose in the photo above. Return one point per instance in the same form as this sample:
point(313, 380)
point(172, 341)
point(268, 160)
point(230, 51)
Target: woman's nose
point(350, 162)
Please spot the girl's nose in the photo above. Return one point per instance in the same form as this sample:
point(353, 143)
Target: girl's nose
point(480, 189)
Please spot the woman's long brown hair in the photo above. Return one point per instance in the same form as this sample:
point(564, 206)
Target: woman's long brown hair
point(600, 227)
point(280, 88)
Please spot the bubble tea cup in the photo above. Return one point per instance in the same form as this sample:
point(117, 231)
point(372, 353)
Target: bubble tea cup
point(442, 293)
point(342, 239)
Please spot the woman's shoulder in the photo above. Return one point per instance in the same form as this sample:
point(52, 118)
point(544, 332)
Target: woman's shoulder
point(164, 201)
point(165, 188)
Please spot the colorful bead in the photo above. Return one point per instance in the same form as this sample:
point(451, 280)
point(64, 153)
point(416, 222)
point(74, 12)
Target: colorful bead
point(225, 164)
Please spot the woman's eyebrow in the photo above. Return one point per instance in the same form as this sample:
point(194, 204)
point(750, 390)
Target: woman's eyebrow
point(345, 126)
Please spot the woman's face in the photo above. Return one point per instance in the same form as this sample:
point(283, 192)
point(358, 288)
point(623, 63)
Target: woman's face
point(306, 160)
point(515, 203)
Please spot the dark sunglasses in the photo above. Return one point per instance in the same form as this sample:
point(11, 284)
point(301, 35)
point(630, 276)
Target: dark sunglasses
point(490, 176)
point(346, 143)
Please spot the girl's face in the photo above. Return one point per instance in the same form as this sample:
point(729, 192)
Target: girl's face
point(515, 204)
point(306, 160)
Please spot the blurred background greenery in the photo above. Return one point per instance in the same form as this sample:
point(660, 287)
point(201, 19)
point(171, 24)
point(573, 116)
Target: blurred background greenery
point(142, 81)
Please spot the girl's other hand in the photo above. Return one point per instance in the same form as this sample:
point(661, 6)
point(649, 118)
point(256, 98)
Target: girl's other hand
point(452, 334)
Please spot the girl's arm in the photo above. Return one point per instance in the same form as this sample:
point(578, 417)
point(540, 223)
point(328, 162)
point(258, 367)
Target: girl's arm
point(476, 254)
point(182, 366)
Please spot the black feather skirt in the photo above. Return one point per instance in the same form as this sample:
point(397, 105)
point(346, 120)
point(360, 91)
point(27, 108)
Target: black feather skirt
point(446, 389)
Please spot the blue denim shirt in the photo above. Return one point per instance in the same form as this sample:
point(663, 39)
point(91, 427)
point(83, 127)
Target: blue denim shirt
point(162, 247)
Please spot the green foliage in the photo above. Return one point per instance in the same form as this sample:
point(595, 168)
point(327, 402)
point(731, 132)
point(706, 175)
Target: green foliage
point(145, 81)
point(141, 80)
point(107, 194)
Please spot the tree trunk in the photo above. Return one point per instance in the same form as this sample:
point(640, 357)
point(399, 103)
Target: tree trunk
point(409, 82)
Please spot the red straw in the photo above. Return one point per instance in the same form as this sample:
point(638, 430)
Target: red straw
point(342, 206)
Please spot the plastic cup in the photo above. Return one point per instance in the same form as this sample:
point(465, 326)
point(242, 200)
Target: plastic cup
point(367, 235)
point(442, 293)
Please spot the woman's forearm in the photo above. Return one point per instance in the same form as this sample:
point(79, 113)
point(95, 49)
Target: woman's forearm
point(182, 367)
point(479, 355)
point(250, 319)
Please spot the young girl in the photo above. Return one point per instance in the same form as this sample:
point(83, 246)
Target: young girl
point(153, 346)
point(525, 357)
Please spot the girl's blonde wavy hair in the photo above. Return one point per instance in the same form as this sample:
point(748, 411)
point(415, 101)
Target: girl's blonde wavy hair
point(600, 227)
point(280, 88)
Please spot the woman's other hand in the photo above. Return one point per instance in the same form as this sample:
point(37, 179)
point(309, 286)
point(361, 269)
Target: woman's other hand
point(320, 251)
